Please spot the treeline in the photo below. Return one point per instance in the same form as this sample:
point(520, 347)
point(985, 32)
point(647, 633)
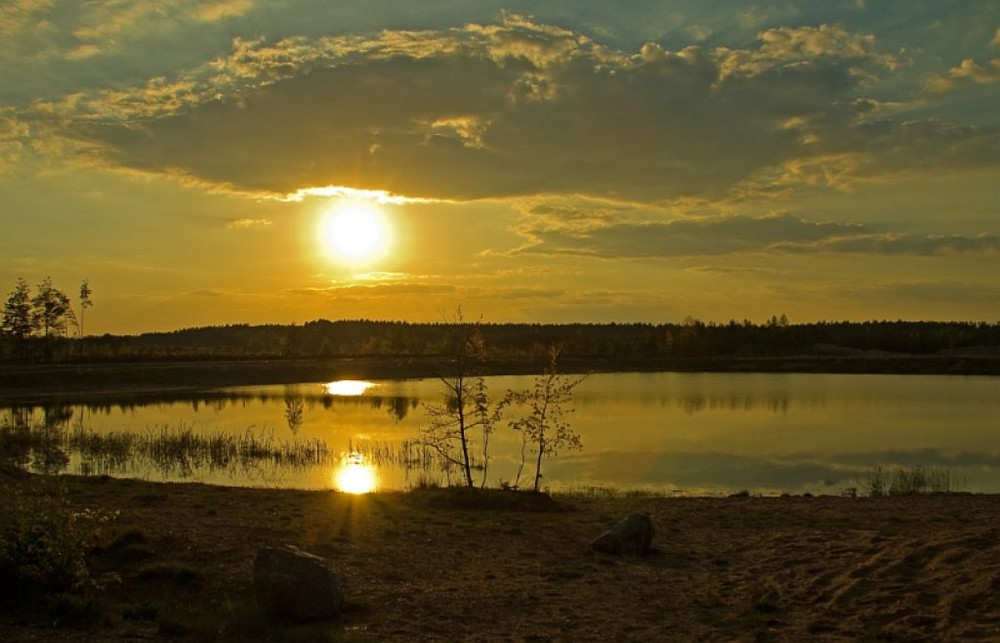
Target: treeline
point(34, 325)
point(633, 342)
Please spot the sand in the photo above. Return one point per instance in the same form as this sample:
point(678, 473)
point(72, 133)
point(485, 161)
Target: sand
point(450, 566)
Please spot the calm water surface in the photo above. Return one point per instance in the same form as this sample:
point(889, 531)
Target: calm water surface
point(670, 432)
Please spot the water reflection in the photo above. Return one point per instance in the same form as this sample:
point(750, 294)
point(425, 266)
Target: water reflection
point(695, 432)
point(699, 402)
point(355, 475)
point(348, 388)
point(297, 399)
point(294, 407)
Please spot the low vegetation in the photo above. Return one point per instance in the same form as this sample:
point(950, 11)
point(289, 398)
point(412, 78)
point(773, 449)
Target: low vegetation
point(45, 547)
point(882, 482)
point(169, 450)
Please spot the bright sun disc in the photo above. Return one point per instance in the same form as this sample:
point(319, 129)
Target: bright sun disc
point(355, 476)
point(353, 232)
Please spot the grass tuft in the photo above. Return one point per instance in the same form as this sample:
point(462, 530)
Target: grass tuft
point(882, 482)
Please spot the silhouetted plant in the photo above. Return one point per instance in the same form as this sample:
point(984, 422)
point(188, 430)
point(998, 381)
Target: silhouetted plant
point(466, 406)
point(881, 482)
point(17, 323)
point(51, 309)
point(43, 545)
point(85, 301)
point(544, 430)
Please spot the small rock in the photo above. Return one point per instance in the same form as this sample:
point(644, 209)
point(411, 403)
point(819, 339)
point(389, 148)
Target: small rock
point(296, 585)
point(632, 535)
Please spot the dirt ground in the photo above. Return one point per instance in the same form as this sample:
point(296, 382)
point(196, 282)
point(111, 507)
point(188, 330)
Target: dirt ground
point(456, 566)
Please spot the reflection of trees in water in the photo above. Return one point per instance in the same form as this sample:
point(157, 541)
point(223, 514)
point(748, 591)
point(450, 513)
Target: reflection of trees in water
point(294, 401)
point(294, 406)
point(697, 402)
point(396, 407)
point(36, 444)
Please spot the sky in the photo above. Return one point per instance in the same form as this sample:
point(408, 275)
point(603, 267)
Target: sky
point(249, 161)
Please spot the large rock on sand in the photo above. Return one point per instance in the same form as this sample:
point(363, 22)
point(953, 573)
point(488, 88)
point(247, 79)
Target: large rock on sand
point(296, 585)
point(632, 535)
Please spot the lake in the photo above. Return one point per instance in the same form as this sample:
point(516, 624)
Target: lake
point(673, 433)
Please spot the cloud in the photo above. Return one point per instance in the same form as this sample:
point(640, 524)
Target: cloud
point(969, 71)
point(511, 109)
point(220, 10)
point(12, 132)
point(683, 237)
point(551, 232)
point(798, 49)
point(893, 244)
point(71, 30)
point(482, 111)
point(248, 224)
point(516, 294)
point(371, 291)
point(921, 293)
point(699, 33)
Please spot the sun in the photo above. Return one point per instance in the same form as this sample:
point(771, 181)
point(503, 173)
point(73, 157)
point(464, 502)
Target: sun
point(353, 232)
point(355, 475)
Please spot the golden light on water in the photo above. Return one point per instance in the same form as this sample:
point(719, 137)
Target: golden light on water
point(355, 475)
point(348, 388)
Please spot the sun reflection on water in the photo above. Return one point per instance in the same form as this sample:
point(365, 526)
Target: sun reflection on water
point(347, 388)
point(355, 475)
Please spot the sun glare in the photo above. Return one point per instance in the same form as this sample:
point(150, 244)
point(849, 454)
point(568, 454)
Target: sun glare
point(353, 231)
point(355, 476)
point(347, 388)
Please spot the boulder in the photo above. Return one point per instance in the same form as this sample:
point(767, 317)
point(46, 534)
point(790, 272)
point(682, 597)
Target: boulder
point(296, 585)
point(630, 536)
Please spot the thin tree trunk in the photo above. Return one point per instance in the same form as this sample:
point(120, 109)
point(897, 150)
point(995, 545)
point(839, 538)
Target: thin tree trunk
point(538, 463)
point(465, 459)
point(460, 402)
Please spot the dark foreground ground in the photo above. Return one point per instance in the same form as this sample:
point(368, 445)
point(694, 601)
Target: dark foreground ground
point(500, 566)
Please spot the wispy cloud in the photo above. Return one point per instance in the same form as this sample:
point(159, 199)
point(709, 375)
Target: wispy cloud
point(71, 30)
point(248, 224)
point(724, 235)
point(12, 133)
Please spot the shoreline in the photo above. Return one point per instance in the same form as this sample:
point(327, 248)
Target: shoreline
point(87, 381)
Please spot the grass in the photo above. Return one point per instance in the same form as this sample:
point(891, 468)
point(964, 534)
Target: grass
point(170, 450)
point(881, 482)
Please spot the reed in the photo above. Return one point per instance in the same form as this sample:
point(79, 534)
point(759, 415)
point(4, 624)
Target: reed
point(170, 450)
point(881, 482)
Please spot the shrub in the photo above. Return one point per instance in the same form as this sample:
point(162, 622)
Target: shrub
point(44, 545)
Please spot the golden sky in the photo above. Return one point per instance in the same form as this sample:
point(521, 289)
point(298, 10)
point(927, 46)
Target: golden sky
point(251, 161)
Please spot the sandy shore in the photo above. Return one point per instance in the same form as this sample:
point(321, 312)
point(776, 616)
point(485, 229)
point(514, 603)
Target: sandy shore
point(441, 565)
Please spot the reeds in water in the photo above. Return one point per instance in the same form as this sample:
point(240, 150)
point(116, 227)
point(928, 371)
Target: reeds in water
point(169, 450)
point(904, 482)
